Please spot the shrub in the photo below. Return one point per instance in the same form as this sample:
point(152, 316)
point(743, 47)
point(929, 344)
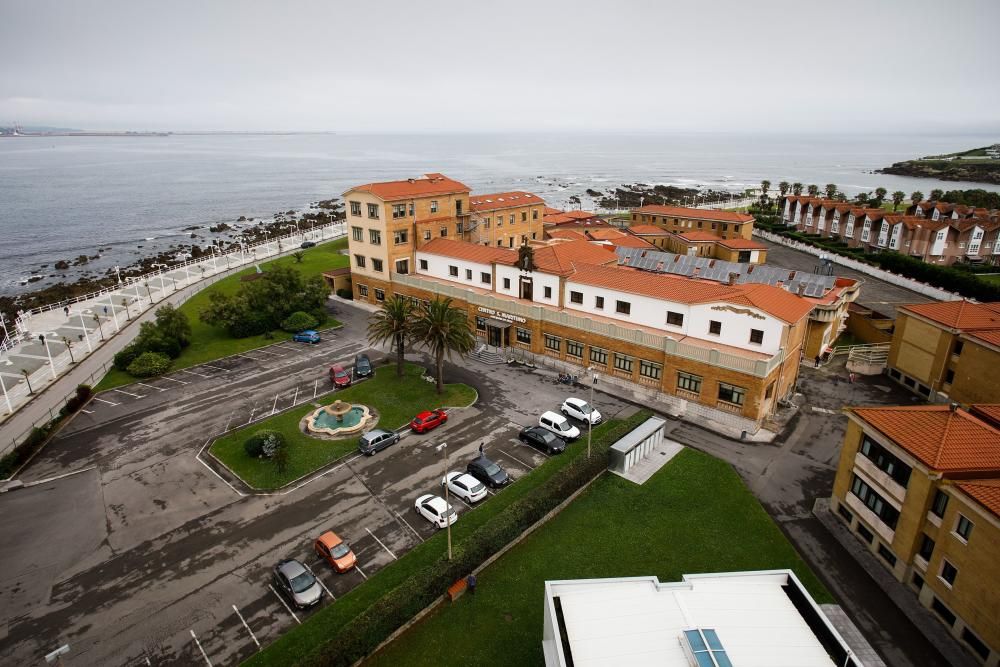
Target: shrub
point(17, 456)
point(264, 444)
point(298, 321)
point(128, 354)
point(149, 364)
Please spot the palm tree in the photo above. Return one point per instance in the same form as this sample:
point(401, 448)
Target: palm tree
point(813, 190)
point(862, 198)
point(765, 185)
point(880, 194)
point(442, 329)
point(25, 373)
point(796, 189)
point(936, 194)
point(393, 324)
point(917, 197)
point(831, 190)
point(783, 188)
point(897, 198)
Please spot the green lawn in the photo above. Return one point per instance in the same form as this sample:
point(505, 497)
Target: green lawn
point(990, 278)
point(395, 399)
point(208, 343)
point(695, 515)
point(297, 644)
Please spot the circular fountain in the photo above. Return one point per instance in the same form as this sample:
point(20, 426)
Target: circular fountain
point(339, 419)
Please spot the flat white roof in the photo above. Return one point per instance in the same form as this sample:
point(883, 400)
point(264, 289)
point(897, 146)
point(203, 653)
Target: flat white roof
point(640, 621)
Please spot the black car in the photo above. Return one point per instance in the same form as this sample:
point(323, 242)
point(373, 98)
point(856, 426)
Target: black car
point(308, 244)
point(542, 439)
point(363, 366)
point(488, 472)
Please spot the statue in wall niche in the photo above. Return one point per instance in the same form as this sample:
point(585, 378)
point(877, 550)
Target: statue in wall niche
point(526, 257)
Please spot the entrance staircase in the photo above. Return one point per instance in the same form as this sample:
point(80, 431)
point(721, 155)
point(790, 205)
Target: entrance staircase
point(490, 355)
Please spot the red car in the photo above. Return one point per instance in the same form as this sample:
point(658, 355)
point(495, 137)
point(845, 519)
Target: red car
point(428, 419)
point(339, 377)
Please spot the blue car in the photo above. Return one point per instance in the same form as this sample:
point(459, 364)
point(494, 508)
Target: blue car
point(306, 337)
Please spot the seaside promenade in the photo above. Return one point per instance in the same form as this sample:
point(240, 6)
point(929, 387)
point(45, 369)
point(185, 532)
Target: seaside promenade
point(54, 349)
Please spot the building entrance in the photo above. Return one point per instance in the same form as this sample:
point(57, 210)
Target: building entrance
point(498, 333)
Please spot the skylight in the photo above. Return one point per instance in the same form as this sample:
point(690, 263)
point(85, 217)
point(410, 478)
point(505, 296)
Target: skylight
point(704, 647)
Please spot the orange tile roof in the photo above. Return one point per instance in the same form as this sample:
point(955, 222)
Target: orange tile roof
point(989, 412)
point(429, 185)
point(567, 234)
point(990, 336)
point(943, 439)
point(698, 236)
point(648, 229)
point(560, 258)
point(549, 210)
point(986, 492)
point(629, 241)
point(742, 244)
point(557, 219)
point(580, 215)
point(498, 200)
point(605, 233)
point(694, 213)
point(963, 315)
point(471, 252)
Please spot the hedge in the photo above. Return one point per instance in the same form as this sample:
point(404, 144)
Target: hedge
point(149, 364)
point(299, 321)
point(366, 631)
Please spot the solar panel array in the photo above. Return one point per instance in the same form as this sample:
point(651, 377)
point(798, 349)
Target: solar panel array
point(813, 284)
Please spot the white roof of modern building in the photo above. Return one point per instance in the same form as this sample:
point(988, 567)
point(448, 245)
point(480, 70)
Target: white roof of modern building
point(639, 621)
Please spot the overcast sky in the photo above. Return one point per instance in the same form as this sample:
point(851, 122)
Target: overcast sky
point(708, 65)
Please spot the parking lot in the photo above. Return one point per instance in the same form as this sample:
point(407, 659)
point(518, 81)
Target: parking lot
point(159, 560)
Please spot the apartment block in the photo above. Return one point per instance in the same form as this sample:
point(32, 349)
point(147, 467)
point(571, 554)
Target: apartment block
point(679, 219)
point(920, 487)
point(505, 219)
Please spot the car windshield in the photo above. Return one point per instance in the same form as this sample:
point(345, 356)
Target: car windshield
point(492, 469)
point(302, 582)
point(584, 408)
point(340, 550)
point(341, 373)
point(477, 487)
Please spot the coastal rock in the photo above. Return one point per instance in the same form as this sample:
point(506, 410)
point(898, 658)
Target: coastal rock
point(62, 264)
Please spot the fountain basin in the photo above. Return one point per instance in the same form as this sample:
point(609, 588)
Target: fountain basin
point(339, 419)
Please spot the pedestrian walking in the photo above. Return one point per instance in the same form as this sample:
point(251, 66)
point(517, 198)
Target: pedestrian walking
point(105, 311)
point(66, 310)
point(817, 361)
point(481, 448)
point(471, 582)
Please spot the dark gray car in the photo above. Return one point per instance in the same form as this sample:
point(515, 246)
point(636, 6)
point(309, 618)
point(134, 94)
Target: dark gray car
point(363, 366)
point(297, 584)
point(376, 440)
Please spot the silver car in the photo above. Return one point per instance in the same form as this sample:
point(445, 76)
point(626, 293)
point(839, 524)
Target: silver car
point(376, 440)
point(297, 584)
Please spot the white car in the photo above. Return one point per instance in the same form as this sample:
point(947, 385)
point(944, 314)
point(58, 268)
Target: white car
point(577, 408)
point(436, 510)
point(465, 486)
point(555, 422)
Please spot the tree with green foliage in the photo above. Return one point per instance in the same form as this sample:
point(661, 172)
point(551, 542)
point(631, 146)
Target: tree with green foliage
point(831, 190)
point(936, 194)
point(917, 197)
point(783, 188)
point(796, 189)
point(149, 364)
point(442, 329)
point(298, 321)
point(862, 198)
point(393, 323)
point(813, 190)
point(880, 194)
point(174, 324)
point(897, 198)
point(299, 256)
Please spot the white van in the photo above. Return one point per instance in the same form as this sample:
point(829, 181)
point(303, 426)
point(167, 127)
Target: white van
point(555, 422)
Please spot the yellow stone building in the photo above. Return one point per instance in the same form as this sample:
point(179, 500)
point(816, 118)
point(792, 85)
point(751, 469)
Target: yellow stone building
point(727, 224)
point(505, 219)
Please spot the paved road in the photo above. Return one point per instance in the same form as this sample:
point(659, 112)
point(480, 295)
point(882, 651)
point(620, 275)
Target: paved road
point(875, 294)
point(123, 561)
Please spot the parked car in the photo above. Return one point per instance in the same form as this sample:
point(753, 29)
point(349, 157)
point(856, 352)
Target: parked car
point(296, 583)
point(436, 510)
point(488, 472)
point(465, 486)
point(363, 366)
point(335, 551)
point(555, 422)
point(339, 377)
point(309, 336)
point(376, 440)
point(542, 439)
point(427, 420)
point(308, 244)
point(577, 408)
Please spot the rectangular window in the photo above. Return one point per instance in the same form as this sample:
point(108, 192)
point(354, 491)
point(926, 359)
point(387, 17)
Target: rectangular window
point(534, 214)
point(574, 349)
point(499, 221)
point(485, 278)
point(866, 534)
point(379, 294)
point(846, 513)
point(576, 297)
point(411, 209)
point(964, 528)
point(427, 235)
point(423, 265)
point(512, 218)
point(976, 644)
point(599, 302)
point(957, 351)
point(548, 292)
point(948, 572)
point(506, 283)
point(359, 261)
point(940, 503)
point(374, 237)
point(377, 265)
point(689, 382)
point(949, 376)
point(553, 343)
point(524, 216)
point(873, 501)
point(363, 291)
point(884, 461)
point(373, 211)
point(468, 274)
point(357, 234)
point(943, 612)
point(675, 319)
point(623, 307)
point(403, 266)
point(623, 363)
point(481, 324)
point(887, 555)
point(714, 327)
point(434, 206)
point(453, 271)
point(356, 208)
point(756, 336)
point(398, 211)
point(648, 369)
point(399, 236)
point(599, 356)
point(730, 393)
point(926, 547)
point(444, 232)
point(524, 336)
point(486, 223)
point(918, 581)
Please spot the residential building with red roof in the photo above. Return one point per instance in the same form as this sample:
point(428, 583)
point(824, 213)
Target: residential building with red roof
point(505, 219)
point(919, 486)
point(947, 350)
point(679, 219)
point(701, 243)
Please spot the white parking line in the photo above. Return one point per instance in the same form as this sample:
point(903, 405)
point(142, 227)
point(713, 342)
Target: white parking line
point(150, 386)
point(284, 604)
point(253, 410)
point(296, 396)
point(381, 544)
point(503, 451)
point(407, 524)
point(245, 356)
point(229, 420)
point(127, 393)
point(320, 582)
point(184, 370)
point(164, 377)
point(274, 407)
point(103, 401)
point(203, 654)
point(252, 635)
point(360, 571)
point(88, 412)
point(267, 352)
point(218, 368)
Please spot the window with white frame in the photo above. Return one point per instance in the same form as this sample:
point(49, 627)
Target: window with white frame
point(359, 261)
point(398, 211)
point(574, 349)
point(357, 234)
point(375, 237)
point(373, 211)
point(356, 208)
point(964, 527)
point(399, 236)
point(434, 206)
point(598, 356)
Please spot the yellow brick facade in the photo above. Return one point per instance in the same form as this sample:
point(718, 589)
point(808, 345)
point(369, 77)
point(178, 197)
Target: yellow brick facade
point(507, 227)
point(679, 223)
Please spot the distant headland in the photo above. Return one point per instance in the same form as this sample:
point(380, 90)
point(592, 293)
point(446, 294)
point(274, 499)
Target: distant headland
point(979, 165)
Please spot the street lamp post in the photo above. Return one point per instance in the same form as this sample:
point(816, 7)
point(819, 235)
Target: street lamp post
point(590, 417)
point(163, 286)
point(443, 447)
point(114, 313)
point(48, 353)
point(86, 334)
point(215, 258)
point(3, 385)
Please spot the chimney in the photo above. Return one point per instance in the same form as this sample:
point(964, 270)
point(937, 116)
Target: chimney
point(953, 406)
point(732, 278)
point(659, 266)
point(410, 180)
point(802, 289)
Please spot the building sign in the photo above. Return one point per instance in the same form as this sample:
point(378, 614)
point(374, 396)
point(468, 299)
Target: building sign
point(501, 316)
